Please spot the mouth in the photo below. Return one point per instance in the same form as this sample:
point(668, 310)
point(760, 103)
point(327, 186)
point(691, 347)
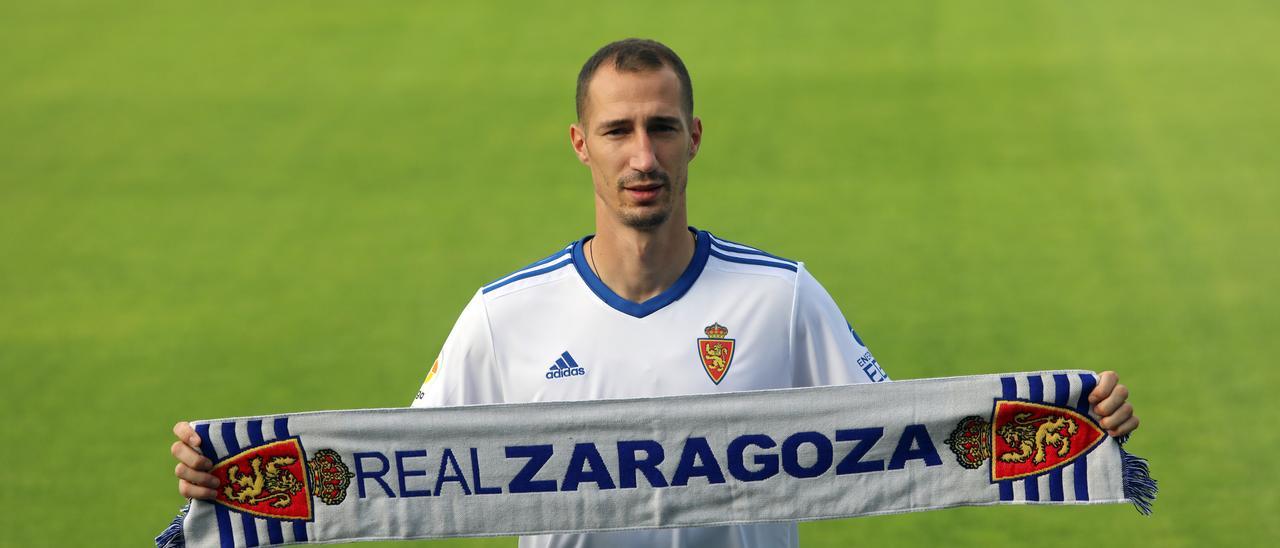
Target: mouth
point(644, 192)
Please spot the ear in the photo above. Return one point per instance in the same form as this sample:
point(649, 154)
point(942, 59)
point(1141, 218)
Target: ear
point(695, 137)
point(578, 139)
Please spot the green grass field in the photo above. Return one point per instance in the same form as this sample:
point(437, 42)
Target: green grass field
point(236, 208)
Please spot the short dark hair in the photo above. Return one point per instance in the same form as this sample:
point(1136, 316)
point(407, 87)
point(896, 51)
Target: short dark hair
point(635, 55)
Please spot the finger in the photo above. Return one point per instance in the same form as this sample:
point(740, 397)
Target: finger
point(195, 477)
point(1125, 428)
point(1117, 398)
point(1106, 382)
point(191, 491)
point(188, 456)
point(1118, 418)
point(186, 433)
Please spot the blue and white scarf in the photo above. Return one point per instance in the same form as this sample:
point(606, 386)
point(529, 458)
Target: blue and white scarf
point(683, 461)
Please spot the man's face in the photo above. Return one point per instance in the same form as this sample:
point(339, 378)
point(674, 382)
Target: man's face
point(638, 143)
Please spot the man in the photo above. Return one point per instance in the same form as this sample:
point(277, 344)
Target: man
point(647, 306)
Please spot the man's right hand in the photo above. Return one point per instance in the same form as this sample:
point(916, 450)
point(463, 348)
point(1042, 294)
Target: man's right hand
point(194, 479)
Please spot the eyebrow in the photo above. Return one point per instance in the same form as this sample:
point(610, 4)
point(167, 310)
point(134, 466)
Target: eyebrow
point(623, 122)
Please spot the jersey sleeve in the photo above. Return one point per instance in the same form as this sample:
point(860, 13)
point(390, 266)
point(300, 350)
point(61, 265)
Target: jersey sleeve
point(825, 350)
point(464, 373)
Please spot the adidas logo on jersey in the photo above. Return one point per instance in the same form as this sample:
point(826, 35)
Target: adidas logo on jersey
point(565, 367)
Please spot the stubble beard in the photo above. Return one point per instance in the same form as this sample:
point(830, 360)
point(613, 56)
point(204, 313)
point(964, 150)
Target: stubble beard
point(646, 221)
point(652, 219)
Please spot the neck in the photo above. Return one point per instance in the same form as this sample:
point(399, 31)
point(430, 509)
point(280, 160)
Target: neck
point(638, 265)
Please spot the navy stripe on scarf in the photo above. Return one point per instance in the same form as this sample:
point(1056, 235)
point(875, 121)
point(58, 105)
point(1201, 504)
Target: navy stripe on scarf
point(1009, 390)
point(1061, 389)
point(223, 515)
point(1082, 464)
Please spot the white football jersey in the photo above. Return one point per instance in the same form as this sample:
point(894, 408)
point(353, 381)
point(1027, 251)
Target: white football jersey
point(736, 319)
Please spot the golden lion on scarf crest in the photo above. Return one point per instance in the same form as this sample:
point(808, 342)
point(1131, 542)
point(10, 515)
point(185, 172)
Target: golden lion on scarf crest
point(1027, 438)
point(278, 484)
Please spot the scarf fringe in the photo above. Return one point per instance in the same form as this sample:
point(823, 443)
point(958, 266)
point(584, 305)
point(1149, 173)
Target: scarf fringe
point(172, 536)
point(1139, 487)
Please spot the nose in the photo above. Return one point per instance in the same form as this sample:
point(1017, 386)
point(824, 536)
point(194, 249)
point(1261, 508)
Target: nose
point(643, 157)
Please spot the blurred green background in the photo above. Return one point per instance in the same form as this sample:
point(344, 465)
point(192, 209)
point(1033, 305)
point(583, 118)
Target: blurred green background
point(214, 209)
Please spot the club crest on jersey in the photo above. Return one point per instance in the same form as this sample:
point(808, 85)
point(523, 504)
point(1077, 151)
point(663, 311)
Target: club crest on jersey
point(274, 480)
point(716, 352)
point(1024, 439)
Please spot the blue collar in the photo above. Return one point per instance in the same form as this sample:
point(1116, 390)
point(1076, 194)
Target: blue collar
point(639, 310)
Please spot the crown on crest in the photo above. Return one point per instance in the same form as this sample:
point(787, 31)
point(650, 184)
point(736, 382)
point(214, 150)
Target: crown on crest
point(716, 331)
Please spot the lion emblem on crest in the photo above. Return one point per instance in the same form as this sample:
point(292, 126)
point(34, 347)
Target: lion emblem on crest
point(715, 356)
point(272, 482)
point(1030, 436)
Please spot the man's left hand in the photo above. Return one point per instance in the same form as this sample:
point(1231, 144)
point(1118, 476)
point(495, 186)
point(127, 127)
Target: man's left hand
point(1110, 402)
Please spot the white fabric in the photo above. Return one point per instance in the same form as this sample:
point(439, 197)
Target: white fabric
point(787, 331)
